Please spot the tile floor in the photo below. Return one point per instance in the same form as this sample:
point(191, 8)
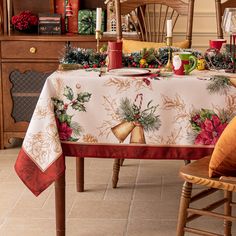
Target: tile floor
point(144, 204)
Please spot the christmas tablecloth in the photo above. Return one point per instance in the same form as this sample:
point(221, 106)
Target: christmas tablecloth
point(84, 108)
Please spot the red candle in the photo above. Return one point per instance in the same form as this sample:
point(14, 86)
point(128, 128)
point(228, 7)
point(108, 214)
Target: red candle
point(114, 55)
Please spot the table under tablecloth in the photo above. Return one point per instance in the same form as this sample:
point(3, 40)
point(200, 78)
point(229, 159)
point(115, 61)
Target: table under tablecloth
point(82, 112)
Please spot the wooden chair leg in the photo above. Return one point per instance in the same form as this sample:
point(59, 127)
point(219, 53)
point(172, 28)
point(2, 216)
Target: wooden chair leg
point(79, 174)
point(228, 212)
point(121, 161)
point(186, 162)
point(60, 195)
point(184, 204)
point(116, 170)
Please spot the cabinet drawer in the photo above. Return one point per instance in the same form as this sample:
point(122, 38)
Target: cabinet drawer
point(32, 49)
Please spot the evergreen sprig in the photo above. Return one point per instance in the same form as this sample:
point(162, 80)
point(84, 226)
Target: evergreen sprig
point(147, 117)
point(218, 84)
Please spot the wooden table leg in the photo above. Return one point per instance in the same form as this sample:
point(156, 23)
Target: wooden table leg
point(80, 174)
point(116, 170)
point(60, 195)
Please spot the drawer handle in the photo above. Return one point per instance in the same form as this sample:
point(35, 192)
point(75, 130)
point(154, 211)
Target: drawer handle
point(33, 50)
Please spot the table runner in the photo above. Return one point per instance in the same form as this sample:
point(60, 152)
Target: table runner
point(83, 107)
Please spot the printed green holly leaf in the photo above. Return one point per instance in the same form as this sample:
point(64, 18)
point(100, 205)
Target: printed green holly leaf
point(68, 92)
point(58, 104)
point(65, 118)
point(73, 139)
point(195, 127)
point(84, 97)
point(78, 106)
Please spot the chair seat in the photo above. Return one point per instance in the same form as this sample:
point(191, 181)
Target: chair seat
point(197, 173)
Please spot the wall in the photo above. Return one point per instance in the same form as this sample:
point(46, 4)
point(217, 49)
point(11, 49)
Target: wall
point(204, 26)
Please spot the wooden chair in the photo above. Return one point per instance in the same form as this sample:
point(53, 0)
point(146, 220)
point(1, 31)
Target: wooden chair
point(220, 7)
point(197, 173)
point(149, 17)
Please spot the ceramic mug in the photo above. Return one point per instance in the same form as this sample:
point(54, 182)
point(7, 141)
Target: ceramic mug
point(184, 63)
point(216, 43)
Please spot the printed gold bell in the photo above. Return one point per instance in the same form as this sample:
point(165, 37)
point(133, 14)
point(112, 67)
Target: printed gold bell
point(122, 130)
point(233, 81)
point(137, 134)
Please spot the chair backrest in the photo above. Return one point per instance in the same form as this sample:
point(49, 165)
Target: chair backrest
point(149, 17)
point(220, 7)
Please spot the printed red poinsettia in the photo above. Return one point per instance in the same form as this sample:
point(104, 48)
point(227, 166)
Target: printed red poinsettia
point(208, 126)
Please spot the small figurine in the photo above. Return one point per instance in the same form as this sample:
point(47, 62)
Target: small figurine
point(201, 63)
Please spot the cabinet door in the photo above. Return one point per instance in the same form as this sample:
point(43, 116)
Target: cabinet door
point(22, 84)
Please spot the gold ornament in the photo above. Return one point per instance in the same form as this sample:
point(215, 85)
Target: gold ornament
point(142, 61)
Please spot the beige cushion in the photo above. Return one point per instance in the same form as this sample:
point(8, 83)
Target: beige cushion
point(223, 159)
point(134, 45)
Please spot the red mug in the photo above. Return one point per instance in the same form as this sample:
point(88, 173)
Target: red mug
point(114, 55)
point(217, 43)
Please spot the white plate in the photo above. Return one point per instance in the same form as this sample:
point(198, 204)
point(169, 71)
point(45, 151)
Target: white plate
point(129, 71)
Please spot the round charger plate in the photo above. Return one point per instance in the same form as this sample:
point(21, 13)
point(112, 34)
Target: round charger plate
point(129, 71)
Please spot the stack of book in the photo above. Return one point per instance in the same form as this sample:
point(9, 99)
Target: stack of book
point(49, 24)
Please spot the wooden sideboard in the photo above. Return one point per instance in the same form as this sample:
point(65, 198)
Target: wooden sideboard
point(26, 60)
point(25, 63)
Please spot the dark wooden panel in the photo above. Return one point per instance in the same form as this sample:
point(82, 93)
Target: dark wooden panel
point(25, 49)
point(42, 6)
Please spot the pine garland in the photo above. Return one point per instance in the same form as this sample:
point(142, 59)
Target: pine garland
point(146, 58)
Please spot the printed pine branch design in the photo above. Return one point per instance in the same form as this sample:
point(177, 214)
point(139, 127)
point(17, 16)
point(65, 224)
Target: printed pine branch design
point(124, 84)
point(229, 111)
point(172, 138)
point(110, 105)
point(172, 103)
point(120, 84)
point(140, 83)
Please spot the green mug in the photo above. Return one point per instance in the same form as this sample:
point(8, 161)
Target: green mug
point(183, 63)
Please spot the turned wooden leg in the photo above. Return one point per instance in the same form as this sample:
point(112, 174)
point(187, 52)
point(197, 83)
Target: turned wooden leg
point(228, 212)
point(80, 174)
point(60, 195)
point(186, 162)
point(121, 161)
point(116, 170)
point(184, 204)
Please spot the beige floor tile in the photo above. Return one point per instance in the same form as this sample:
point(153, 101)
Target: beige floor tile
point(147, 192)
point(145, 203)
point(123, 193)
point(100, 209)
point(145, 210)
point(96, 227)
point(137, 227)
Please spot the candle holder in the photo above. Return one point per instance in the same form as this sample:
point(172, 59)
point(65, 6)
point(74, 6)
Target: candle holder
point(169, 66)
point(98, 36)
point(232, 50)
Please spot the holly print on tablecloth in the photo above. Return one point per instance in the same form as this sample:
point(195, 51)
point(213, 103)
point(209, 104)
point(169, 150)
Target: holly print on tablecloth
point(68, 128)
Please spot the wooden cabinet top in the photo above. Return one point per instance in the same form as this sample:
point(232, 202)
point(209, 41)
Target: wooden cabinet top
point(65, 37)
